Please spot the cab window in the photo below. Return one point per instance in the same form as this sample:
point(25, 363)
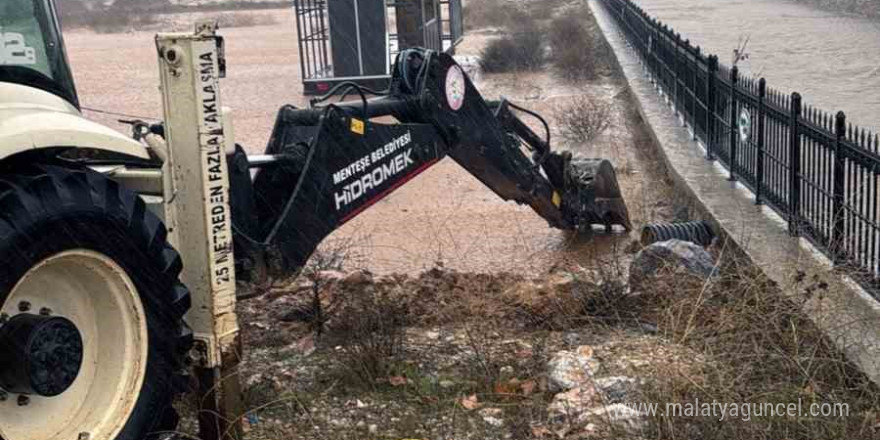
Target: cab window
point(31, 48)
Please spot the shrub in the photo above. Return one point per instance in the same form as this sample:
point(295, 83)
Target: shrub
point(521, 50)
point(583, 119)
point(578, 51)
point(487, 13)
point(370, 328)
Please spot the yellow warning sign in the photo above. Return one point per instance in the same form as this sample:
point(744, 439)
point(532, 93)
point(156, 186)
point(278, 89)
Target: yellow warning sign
point(557, 199)
point(357, 126)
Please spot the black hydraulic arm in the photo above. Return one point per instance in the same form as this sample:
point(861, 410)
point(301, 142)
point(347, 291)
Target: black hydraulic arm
point(338, 159)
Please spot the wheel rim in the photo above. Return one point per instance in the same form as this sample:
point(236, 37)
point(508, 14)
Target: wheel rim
point(96, 294)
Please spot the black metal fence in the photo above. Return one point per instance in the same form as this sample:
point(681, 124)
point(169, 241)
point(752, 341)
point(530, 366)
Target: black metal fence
point(814, 169)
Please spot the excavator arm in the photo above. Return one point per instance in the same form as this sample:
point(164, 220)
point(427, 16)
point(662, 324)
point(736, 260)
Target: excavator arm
point(326, 164)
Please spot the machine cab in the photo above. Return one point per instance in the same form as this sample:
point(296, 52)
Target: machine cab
point(32, 50)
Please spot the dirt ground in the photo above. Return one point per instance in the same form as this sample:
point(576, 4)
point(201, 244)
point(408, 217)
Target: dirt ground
point(444, 215)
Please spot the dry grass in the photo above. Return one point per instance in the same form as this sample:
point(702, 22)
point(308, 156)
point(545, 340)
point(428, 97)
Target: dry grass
point(760, 348)
point(370, 329)
point(733, 339)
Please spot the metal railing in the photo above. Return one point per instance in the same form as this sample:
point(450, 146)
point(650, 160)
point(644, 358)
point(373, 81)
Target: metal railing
point(814, 169)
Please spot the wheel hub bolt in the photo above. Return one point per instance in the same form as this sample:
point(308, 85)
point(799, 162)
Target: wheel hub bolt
point(23, 400)
point(24, 306)
point(45, 311)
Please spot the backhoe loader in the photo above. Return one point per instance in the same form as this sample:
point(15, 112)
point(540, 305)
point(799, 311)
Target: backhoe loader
point(120, 253)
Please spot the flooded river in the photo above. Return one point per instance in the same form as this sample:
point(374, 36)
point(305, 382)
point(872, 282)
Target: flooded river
point(832, 59)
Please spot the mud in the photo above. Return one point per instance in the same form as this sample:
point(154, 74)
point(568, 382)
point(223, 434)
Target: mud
point(444, 215)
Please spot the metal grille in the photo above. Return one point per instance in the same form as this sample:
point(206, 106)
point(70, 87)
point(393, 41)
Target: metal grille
point(314, 39)
point(324, 37)
point(814, 169)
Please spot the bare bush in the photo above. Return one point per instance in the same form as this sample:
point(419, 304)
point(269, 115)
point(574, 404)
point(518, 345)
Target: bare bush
point(578, 50)
point(583, 119)
point(370, 328)
point(523, 49)
point(485, 13)
point(506, 13)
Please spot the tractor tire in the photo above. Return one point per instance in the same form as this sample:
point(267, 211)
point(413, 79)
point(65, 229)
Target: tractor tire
point(77, 245)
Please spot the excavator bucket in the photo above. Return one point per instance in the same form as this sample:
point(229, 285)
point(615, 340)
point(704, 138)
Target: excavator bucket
point(601, 202)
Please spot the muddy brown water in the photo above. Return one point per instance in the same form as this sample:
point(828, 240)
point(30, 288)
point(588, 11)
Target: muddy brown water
point(831, 58)
point(444, 215)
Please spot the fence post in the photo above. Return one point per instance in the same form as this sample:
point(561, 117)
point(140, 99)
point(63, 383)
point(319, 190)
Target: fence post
point(839, 170)
point(794, 171)
point(655, 69)
point(670, 94)
point(710, 104)
point(759, 179)
point(694, 68)
point(734, 77)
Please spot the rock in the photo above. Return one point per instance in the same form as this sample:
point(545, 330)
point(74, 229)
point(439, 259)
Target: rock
point(584, 405)
point(358, 278)
point(615, 388)
point(569, 369)
point(330, 275)
point(298, 313)
point(617, 414)
point(432, 335)
point(492, 416)
point(299, 284)
point(446, 384)
point(574, 404)
point(679, 255)
point(560, 280)
point(305, 345)
point(572, 339)
point(373, 429)
point(259, 324)
point(507, 369)
point(649, 328)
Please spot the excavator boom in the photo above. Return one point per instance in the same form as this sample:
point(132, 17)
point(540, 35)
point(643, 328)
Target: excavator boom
point(332, 161)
